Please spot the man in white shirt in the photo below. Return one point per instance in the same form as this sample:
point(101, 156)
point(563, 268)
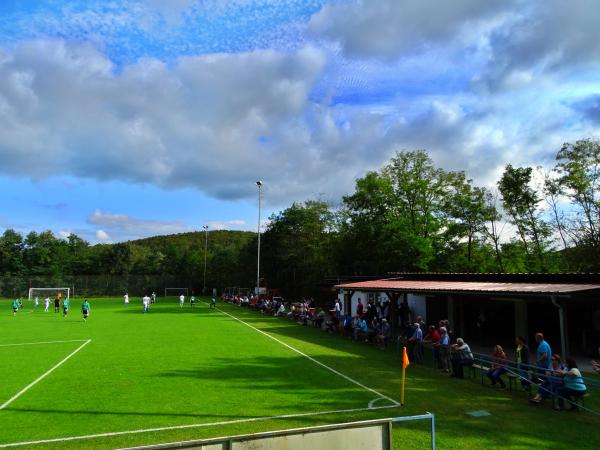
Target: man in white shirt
point(146, 303)
point(338, 309)
point(126, 298)
point(181, 300)
point(46, 304)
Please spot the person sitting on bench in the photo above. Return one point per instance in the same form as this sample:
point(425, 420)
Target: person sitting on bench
point(499, 362)
point(573, 387)
point(462, 357)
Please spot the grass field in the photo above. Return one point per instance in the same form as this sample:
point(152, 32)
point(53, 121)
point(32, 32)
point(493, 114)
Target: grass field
point(177, 374)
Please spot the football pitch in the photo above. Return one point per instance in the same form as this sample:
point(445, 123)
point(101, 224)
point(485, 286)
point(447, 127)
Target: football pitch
point(125, 378)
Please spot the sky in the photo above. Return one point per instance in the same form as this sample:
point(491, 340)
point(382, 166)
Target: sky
point(131, 118)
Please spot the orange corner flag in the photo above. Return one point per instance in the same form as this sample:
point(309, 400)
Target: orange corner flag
point(405, 363)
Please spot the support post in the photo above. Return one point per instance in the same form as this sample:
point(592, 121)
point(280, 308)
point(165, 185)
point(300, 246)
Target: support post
point(563, 326)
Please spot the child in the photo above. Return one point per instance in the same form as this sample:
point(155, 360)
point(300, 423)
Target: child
point(85, 309)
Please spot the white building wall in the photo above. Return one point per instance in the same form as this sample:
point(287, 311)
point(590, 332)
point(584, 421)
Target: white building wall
point(416, 303)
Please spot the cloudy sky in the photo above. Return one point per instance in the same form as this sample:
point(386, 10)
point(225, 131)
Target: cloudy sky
point(122, 119)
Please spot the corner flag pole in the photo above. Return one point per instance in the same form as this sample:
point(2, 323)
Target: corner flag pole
point(405, 363)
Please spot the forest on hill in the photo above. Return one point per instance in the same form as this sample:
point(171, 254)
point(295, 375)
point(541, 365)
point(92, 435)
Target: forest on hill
point(408, 216)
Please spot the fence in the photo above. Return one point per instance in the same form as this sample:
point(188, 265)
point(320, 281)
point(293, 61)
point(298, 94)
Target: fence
point(372, 434)
point(97, 285)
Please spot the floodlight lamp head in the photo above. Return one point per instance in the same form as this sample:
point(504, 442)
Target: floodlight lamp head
point(259, 183)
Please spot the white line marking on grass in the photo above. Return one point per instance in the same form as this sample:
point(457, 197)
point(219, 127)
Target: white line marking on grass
point(375, 400)
point(346, 377)
point(41, 377)
point(193, 425)
point(44, 342)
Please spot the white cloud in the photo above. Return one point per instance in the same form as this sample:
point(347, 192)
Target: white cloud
point(64, 234)
point(125, 227)
point(102, 236)
point(202, 123)
point(229, 225)
point(394, 28)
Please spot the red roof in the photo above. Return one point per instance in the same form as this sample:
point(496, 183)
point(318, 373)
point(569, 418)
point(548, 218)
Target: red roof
point(471, 286)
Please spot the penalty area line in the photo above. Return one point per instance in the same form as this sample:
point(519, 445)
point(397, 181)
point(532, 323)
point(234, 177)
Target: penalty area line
point(44, 375)
point(193, 425)
point(43, 342)
point(346, 377)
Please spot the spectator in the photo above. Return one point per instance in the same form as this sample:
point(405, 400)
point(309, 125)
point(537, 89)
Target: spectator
point(320, 318)
point(384, 334)
point(359, 308)
point(573, 385)
point(444, 349)
point(551, 381)
point(338, 309)
point(543, 356)
point(499, 362)
point(433, 337)
point(415, 344)
point(522, 360)
point(346, 328)
point(355, 327)
point(281, 310)
point(463, 356)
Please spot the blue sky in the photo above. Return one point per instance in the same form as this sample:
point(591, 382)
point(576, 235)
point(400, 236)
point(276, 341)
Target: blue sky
point(123, 119)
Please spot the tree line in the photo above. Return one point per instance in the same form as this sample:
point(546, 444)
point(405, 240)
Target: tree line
point(407, 216)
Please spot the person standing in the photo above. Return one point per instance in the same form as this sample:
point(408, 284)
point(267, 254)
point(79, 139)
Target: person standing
point(359, 308)
point(46, 304)
point(146, 303)
point(56, 304)
point(181, 300)
point(85, 309)
point(543, 354)
point(213, 302)
point(36, 301)
point(66, 302)
point(15, 306)
point(416, 343)
point(153, 297)
point(338, 309)
point(126, 298)
point(444, 349)
point(192, 301)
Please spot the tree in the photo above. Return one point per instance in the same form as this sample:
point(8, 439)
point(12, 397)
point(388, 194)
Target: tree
point(297, 249)
point(11, 252)
point(521, 202)
point(578, 167)
point(467, 212)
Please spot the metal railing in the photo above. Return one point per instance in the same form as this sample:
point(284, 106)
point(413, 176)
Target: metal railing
point(235, 442)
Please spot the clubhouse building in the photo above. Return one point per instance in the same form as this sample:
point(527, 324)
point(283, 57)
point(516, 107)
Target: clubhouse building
point(488, 309)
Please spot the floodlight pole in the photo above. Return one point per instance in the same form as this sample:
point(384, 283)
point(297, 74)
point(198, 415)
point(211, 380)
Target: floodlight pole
point(259, 185)
point(205, 227)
